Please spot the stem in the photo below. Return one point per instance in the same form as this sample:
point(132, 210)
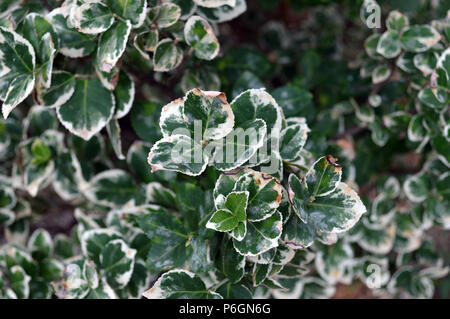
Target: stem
point(220, 283)
point(304, 168)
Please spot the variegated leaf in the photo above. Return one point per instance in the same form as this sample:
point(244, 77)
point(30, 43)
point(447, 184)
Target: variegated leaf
point(179, 283)
point(117, 262)
point(178, 153)
point(200, 36)
point(71, 42)
point(89, 109)
point(167, 56)
point(17, 62)
point(93, 17)
point(132, 10)
point(111, 45)
point(261, 236)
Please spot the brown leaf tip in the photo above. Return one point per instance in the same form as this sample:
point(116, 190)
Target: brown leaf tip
point(332, 161)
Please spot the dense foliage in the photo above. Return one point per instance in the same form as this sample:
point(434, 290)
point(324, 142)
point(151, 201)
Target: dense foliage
point(224, 148)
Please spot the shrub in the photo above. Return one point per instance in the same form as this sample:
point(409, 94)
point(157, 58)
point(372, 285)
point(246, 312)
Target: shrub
point(224, 149)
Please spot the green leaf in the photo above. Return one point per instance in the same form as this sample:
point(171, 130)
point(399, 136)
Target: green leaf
point(436, 98)
point(380, 74)
point(51, 269)
point(416, 187)
point(443, 184)
point(419, 38)
point(210, 109)
point(178, 153)
point(68, 176)
point(108, 79)
point(41, 152)
point(133, 10)
point(238, 146)
point(233, 212)
point(144, 120)
point(64, 247)
point(124, 94)
point(377, 241)
point(113, 188)
point(224, 12)
point(239, 231)
point(168, 238)
point(35, 26)
point(90, 273)
point(392, 187)
point(167, 56)
point(117, 262)
point(283, 255)
point(103, 291)
point(88, 110)
point(323, 177)
point(7, 196)
point(60, 91)
point(71, 42)
point(336, 212)
point(35, 176)
point(264, 194)
point(229, 262)
point(292, 140)
point(237, 202)
point(370, 45)
point(206, 78)
point(200, 36)
point(416, 128)
point(412, 285)
point(205, 115)
point(396, 21)
point(244, 58)
point(113, 130)
point(406, 62)
point(93, 18)
point(297, 234)
point(146, 41)
point(47, 54)
point(17, 62)
point(139, 282)
point(222, 220)
point(389, 44)
point(95, 240)
point(256, 115)
point(442, 146)
point(165, 15)
point(260, 273)
point(40, 244)
point(179, 283)
point(295, 101)
point(137, 161)
point(43, 121)
point(331, 261)
point(247, 80)
point(426, 62)
point(40, 33)
point(199, 260)
point(230, 291)
point(380, 134)
point(257, 104)
point(441, 75)
point(111, 45)
point(261, 236)
point(19, 282)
